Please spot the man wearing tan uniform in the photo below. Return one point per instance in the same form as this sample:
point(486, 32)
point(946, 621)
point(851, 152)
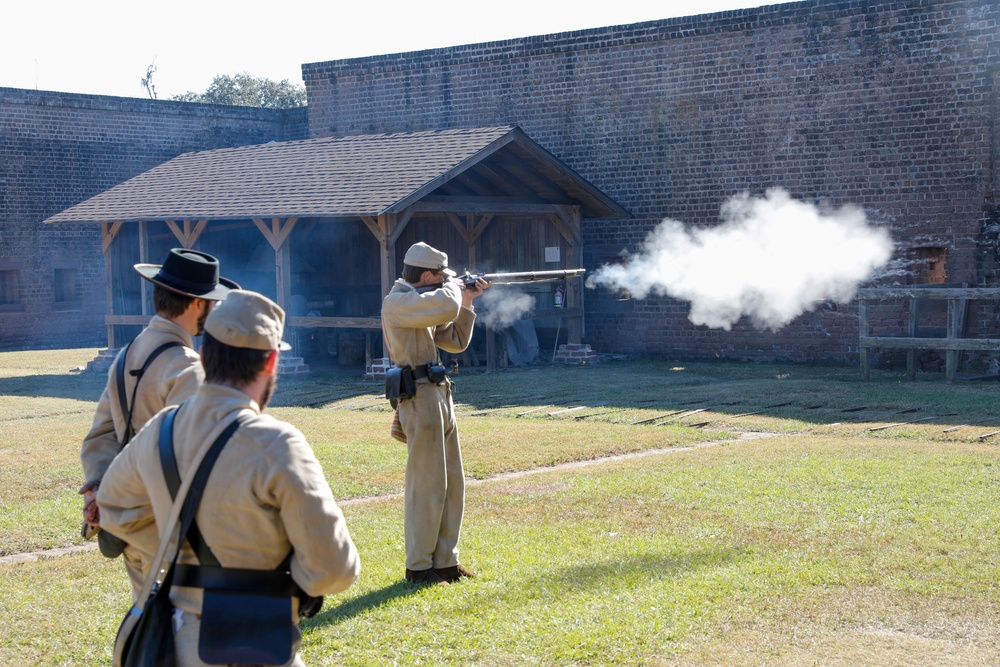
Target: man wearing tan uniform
point(266, 498)
point(185, 288)
point(425, 311)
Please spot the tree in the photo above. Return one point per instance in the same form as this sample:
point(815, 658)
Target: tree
point(249, 91)
point(147, 81)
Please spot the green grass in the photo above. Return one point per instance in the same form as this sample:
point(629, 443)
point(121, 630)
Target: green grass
point(824, 542)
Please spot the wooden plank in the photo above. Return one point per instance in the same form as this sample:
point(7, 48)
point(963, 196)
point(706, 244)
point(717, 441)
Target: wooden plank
point(914, 421)
point(141, 320)
point(927, 292)
point(960, 426)
point(978, 344)
point(337, 322)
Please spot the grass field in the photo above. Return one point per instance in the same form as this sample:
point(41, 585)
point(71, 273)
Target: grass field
point(628, 513)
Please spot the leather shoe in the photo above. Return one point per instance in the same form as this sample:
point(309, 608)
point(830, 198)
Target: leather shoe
point(430, 576)
point(454, 573)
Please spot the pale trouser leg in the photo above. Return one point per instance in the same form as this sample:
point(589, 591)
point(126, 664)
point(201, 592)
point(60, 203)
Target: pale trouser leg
point(446, 551)
point(186, 641)
point(135, 569)
point(435, 484)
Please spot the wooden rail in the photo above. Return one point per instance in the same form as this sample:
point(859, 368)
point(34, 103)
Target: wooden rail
point(954, 341)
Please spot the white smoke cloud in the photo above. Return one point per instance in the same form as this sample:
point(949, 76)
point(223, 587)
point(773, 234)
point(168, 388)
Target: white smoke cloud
point(771, 259)
point(504, 306)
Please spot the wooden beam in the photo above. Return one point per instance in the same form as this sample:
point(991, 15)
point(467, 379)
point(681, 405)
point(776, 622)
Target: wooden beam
point(481, 227)
point(570, 216)
point(277, 232)
point(461, 227)
point(144, 285)
point(109, 230)
point(373, 227)
point(189, 235)
point(402, 220)
point(496, 205)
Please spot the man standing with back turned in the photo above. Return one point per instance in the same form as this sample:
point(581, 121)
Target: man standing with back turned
point(266, 505)
point(425, 311)
point(160, 368)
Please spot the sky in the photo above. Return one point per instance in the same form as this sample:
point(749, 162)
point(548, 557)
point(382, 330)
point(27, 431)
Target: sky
point(106, 47)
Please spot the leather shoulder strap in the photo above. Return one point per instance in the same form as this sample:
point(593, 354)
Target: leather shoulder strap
point(171, 475)
point(128, 407)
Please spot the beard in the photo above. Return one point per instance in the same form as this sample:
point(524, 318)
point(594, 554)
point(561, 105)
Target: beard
point(206, 308)
point(272, 381)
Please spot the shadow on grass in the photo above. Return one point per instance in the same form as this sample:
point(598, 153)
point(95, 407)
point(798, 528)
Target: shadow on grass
point(80, 386)
point(359, 605)
point(633, 570)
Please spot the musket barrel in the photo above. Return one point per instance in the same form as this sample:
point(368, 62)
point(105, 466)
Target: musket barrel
point(531, 276)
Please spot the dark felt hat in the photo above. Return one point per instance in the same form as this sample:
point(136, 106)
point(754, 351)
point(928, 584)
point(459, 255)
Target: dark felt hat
point(189, 272)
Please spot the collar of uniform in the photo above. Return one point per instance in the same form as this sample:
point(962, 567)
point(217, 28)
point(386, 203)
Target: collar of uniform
point(168, 326)
point(222, 400)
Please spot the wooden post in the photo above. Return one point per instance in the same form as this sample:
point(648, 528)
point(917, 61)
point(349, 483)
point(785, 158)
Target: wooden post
point(953, 333)
point(912, 329)
point(863, 333)
point(143, 259)
point(108, 232)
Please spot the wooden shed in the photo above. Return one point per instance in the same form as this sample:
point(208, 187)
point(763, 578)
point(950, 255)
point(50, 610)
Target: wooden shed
point(321, 225)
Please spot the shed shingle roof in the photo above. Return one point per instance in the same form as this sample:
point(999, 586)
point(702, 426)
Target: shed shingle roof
point(335, 177)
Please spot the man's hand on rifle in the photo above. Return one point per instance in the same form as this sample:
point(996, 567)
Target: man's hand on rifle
point(91, 514)
point(471, 292)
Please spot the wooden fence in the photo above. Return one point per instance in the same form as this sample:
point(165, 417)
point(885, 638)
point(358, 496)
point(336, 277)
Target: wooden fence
point(953, 342)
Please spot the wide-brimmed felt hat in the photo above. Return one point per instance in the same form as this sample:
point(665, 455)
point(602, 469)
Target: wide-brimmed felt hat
point(248, 320)
point(424, 256)
point(189, 272)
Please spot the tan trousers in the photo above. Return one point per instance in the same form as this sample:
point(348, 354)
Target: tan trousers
point(435, 481)
point(186, 641)
point(135, 569)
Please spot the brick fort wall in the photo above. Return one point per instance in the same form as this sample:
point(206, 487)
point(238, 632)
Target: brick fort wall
point(887, 105)
point(58, 149)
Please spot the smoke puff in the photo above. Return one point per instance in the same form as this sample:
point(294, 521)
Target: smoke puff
point(771, 259)
point(504, 307)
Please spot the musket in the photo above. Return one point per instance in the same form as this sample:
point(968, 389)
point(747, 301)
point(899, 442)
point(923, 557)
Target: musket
point(469, 279)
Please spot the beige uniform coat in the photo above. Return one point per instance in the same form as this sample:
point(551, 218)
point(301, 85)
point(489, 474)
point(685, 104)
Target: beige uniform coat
point(172, 377)
point(266, 495)
point(415, 325)
point(175, 375)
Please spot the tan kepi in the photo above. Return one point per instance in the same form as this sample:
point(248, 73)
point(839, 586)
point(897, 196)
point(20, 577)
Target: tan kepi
point(424, 256)
point(249, 320)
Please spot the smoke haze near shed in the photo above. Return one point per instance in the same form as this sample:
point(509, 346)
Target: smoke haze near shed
point(772, 259)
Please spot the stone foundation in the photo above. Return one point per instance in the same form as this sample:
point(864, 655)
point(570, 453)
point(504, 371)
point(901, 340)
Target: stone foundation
point(102, 362)
point(289, 366)
point(378, 368)
point(575, 353)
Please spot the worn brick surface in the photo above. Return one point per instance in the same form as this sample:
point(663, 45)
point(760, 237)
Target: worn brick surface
point(58, 149)
point(888, 105)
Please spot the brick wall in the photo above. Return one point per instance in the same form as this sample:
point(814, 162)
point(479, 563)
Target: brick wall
point(885, 104)
point(58, 149)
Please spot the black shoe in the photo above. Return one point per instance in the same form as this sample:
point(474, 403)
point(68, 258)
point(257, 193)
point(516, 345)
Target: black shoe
point(454, 573)
point(425, 577)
